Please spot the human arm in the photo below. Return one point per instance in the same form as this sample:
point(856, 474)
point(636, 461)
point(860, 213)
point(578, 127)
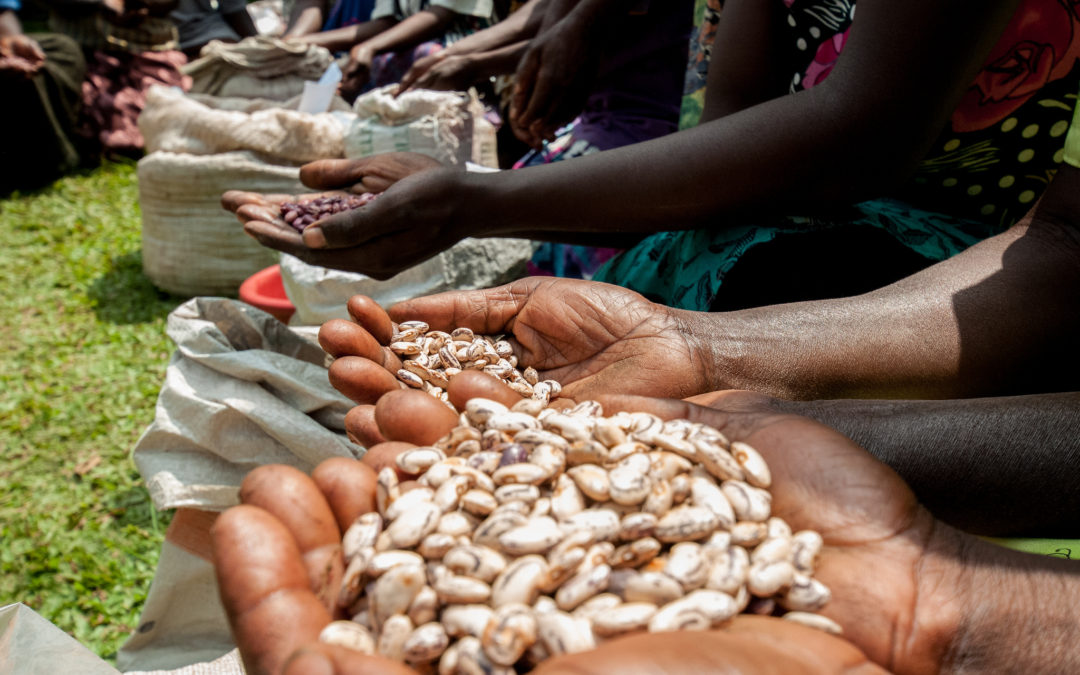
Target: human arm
point(492, 51)
point(240, 21)
point(455, 72)
point(20, 56)
point(307, 17)
point(996, 466)
point(555, 74)
point(340, 39)
point(411, 31)
point(998, 319)
point(9, 23)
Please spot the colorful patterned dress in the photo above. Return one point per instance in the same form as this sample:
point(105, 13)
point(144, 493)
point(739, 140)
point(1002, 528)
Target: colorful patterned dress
point(986, 169)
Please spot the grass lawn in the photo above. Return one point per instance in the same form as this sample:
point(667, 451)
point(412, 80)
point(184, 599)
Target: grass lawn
point(82, 355)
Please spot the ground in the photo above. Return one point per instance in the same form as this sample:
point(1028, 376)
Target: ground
point(83, 352)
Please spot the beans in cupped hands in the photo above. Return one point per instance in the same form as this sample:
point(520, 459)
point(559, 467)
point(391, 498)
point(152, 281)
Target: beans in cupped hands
point(531, 532)
point(300, 215)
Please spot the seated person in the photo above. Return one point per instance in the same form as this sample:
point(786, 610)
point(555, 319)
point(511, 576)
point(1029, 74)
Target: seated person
point(129, 46)
point(381, 50)
point(200, 21)
point(42, 75)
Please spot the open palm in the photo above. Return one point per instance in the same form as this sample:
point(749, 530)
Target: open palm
point(273, 553)
point(592, 338)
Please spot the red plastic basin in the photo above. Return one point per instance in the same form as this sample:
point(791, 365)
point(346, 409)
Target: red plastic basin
point(265, 291)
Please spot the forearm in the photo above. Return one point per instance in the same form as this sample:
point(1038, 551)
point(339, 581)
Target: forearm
point(514, 29)
point(241, 23)
point(748, 61)
point(501, 61)
point(854, 136)
point(424, 25)
point(9, 23)
point(306, 18)
point(341, 39)
point(768, 159)
point(1012, 612)
point(999, 319)
point(994, 466)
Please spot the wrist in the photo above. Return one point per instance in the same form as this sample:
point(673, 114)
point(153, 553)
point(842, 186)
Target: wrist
point(1011, 611)
point(927, 636)
point(709, 355)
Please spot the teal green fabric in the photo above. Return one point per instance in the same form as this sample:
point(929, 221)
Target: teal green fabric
point(684, 269)
point(1067, 549)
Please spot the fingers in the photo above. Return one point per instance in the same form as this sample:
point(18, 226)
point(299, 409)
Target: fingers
point(339, 337)
point(475, 384)
point(234, 199)
point(264, 588)
point(341, 230)
point(414, 417)
point(361, 428)
point(525, 79)
point(348, 486)
point(750, 645)
point(539, 107)
point(295, 500)
point(320, 659)
point(362, 380)
point(385, 455)
point(333, 174)
point(487, 311)
point(371, 317)
point(418, 69)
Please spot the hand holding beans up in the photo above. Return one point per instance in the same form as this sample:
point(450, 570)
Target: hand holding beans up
point(279, 554)
point(338, 178)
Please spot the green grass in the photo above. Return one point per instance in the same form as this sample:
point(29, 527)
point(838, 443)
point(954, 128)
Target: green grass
point(82, 356)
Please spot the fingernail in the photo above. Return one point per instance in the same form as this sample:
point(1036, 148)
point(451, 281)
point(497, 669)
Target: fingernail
point(313, 237)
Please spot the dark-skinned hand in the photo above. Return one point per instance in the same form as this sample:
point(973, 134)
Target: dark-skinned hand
point(20, 56)
point(440, 71)
point(278, 555)
point(592, 338)
point(553, 80)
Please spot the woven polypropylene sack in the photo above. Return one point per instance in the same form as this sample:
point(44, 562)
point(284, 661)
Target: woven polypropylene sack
point(446, 125)
point(205, 125)
point(190, 244)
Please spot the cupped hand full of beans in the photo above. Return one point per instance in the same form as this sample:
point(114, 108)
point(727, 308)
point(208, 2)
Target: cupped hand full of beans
point(531, 532)
point(301, 214)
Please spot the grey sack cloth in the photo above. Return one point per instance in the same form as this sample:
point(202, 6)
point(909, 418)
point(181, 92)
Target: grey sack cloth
point(241, 391)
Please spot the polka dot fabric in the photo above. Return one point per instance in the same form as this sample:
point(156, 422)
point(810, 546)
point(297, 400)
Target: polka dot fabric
point(1007, 137)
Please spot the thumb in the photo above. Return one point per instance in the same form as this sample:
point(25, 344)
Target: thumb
point(334, 174)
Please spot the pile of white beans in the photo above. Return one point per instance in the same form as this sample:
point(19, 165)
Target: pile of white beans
point(430, 358)
point(532, 532)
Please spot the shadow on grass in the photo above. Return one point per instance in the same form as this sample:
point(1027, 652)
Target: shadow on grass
point(124, 295)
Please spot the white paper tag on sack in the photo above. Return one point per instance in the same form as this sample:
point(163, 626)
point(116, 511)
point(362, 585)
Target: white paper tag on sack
point(318, 95)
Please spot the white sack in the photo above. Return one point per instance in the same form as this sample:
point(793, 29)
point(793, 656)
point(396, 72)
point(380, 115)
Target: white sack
point(242, 390)
point(320, 294)
point(449, 126)
point(190, 244)
point(206, 125)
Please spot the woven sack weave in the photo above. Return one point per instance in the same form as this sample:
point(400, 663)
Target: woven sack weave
point(207, 125)
point(449, 126)
point(190, 245)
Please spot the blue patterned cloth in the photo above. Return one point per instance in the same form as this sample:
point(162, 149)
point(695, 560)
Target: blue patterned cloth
point(685, 269)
